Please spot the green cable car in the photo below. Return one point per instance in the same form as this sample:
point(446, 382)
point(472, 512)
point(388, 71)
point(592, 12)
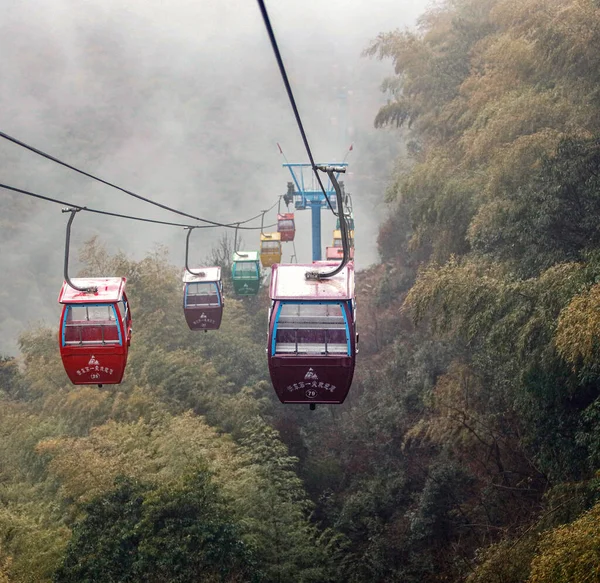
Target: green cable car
point(245, 273)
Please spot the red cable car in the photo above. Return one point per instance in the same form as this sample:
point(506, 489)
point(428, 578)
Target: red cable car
point(337, 253)
point(95, 330)
point(286, 226)
point(312, 334)
point(203, 298)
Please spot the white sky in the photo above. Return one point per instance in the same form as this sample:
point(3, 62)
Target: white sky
point(212, 150)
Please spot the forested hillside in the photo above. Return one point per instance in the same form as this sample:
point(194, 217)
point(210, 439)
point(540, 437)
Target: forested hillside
point(469, 447)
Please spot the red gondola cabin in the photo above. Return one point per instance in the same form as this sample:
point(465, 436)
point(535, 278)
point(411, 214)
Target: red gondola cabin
point(95, 331)
point(203, 298)
point(337, 253)
point(286, 226)
point(312, 334)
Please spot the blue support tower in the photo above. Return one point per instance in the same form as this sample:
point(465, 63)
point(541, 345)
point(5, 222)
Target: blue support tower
point(308, 194)
point(315, 209)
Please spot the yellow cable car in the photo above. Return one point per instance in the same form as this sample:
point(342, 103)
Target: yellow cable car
point(337, 238)
point(270, 248)
point(336, 251)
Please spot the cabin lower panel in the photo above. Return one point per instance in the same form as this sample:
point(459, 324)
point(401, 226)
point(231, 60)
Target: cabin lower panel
point(270, 260)
point(246, 288)
point(93, 367)
point(299, 379)
point(208, 318)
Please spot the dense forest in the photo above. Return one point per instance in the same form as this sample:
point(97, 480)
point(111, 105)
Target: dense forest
point(469, 447)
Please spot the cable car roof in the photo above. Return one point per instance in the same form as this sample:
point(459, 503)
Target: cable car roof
point(270, 236)
point(245, 256)
point(204, 274)
point(288, 282)
point(110, 289)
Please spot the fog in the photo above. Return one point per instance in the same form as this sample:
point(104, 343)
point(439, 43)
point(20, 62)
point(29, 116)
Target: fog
point(181, 102)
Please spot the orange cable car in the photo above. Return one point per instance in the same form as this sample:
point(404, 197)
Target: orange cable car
point(286, 226)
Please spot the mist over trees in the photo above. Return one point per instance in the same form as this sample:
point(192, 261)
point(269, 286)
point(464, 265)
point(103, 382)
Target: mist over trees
point(468, 448)
point(182, 104)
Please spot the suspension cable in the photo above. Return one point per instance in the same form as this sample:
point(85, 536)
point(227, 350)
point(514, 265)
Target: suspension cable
point(122, 216)
point(262, 221)
point(330, 170)
point(87, 290)
point(288, 88)
point(107, 183)
point(187, 252)
point(235, 240)
point(232, 225)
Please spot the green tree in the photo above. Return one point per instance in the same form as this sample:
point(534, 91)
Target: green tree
point(570, 552)
point(178, 533)
point(549, 219)
point(275, 508)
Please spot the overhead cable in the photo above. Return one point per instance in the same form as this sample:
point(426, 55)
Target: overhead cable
point(288, 88)
point(119, 215)
point(107, 183)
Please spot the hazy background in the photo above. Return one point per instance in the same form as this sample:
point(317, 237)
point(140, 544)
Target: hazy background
point(182, 102)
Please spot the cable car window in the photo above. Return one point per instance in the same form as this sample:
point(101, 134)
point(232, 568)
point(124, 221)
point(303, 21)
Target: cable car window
point(338, 242)
point(124, 307)
point(311, 329)
point(122, 310)
point(245, 269)
point(87, 325)
point(271, 246)
point(286, 225)
point(91, 313)
point(201, 294)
